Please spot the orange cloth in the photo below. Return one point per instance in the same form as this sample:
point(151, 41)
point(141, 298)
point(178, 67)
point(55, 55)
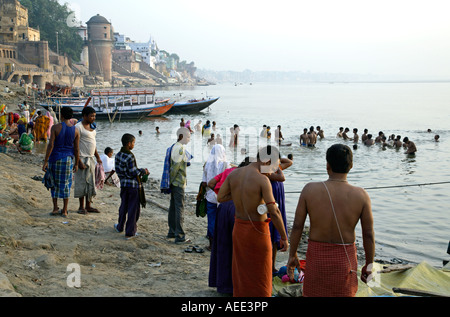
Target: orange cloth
point(252, 259)
point(41, 125)
point(327, 271)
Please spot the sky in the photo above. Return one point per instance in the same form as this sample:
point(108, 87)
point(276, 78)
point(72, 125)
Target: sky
point(385, 37)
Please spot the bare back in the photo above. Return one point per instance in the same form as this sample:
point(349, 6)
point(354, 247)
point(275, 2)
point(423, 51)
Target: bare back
point(350, 204)
point(248, 188)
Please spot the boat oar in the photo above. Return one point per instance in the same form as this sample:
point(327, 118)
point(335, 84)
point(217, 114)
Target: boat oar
point(87, 102)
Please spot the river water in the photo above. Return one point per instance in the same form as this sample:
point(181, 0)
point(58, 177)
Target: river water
point(412, 223)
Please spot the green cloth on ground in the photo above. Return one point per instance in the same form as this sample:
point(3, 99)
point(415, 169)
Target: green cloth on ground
point(422, 277)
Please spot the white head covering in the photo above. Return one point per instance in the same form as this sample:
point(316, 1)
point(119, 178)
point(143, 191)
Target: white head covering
point(217, 161)
point(216, 164)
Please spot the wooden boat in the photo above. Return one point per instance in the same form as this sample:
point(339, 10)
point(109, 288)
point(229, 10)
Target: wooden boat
point(160, 110)
point(115, 104)
point(54, 89)
point(192, 106)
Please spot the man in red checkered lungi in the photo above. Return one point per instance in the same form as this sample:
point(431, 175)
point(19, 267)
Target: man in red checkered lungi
point(334, 208)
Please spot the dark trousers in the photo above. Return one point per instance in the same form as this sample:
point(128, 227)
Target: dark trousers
point(129, 208)
point(176, 214)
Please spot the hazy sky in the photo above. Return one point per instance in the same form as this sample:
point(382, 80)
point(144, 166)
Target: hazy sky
point(406, 37)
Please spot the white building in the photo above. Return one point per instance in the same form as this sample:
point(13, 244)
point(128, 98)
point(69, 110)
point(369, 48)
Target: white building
point(148, 50)
point(121, 42)
point(84, 56)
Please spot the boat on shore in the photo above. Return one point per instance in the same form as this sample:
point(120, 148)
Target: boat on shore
point(115, 104)
point(192, 106)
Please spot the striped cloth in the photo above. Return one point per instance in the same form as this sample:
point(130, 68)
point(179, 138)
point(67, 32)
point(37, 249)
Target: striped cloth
point(62, 171)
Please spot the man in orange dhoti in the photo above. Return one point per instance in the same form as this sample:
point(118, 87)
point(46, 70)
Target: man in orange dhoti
point(334, 208)
point(249, 187)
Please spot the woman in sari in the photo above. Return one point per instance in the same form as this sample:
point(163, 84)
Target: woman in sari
point(41, 125)
point(216, 164)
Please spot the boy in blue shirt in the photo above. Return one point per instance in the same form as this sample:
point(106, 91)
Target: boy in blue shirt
point(131, 190)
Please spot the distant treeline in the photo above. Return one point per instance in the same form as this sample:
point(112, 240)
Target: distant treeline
point(49, 16)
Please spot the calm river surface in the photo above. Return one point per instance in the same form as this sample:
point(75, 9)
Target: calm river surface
point(411, 223)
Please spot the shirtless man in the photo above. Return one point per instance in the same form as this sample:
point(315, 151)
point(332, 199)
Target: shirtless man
point(345, 136)
point(312, 137)
point(320, 132)
point(410, 146)
point(340, 133)
point(278, 135)
point(249, 188)
point(398, 142)
point(364, 136)
point(379, 138)
point(304, 139)
point(334, 208)
point(369, 141)
point(355, 135)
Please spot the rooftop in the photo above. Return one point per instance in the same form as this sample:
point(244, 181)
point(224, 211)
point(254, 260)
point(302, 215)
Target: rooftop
point(98, 19)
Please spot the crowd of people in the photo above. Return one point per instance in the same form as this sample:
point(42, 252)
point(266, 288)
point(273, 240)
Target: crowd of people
point(25, 128)
point(393, 141)
point(243, 239)
point(245, 204)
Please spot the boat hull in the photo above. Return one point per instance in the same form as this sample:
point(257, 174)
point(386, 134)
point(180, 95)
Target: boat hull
point(191, 107)
point(160, 110)
point(112, 113)
point(120, 115)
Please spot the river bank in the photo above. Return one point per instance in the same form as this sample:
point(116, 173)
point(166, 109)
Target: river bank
point(37, 248)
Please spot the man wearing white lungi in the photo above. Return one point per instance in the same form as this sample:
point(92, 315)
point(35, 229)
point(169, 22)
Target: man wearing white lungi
point(85, 176)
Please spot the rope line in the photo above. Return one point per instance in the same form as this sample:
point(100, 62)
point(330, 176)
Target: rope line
point(367, 188)
point(339, 229)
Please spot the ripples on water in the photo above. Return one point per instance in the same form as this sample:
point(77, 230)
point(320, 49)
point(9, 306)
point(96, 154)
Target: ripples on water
point(411, 223)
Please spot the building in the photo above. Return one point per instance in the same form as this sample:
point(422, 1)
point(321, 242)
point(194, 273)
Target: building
point(84, 56)
point(14, 23)
point(100, 45)
point(148, 50)
point(121, 42)
point(128, 60)
point(82, 32)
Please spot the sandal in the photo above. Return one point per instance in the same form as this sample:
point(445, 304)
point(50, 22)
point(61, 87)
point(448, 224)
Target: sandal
point(198, 249)
point(82, 212)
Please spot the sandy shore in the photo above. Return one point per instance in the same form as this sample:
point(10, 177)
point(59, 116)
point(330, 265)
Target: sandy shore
point(36, 248)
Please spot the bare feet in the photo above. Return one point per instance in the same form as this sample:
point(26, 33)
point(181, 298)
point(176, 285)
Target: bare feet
point(55, 212)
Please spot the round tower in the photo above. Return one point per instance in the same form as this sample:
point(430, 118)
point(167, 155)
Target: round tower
point(100, 45)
